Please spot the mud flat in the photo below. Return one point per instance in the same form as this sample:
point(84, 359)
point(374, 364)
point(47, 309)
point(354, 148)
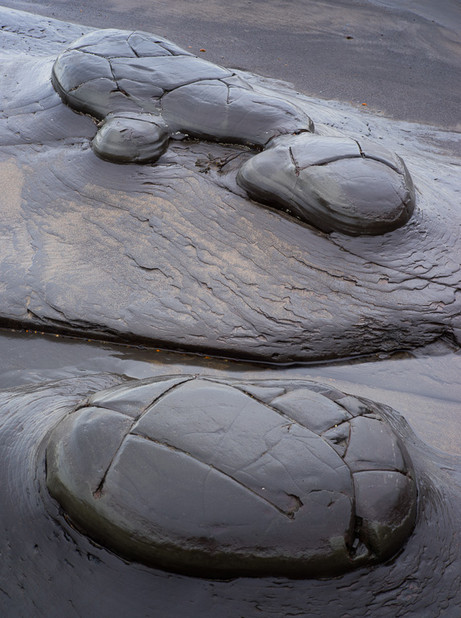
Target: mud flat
point(359, 319)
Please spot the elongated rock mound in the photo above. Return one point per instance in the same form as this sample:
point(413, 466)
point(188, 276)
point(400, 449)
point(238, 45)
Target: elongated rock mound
point(115, 71)
point(221, 479)
point(129, 78)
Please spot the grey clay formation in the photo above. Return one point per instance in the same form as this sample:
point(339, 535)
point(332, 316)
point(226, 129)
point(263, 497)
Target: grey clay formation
point(145, 89)
point(173, 252)
point(219, 479)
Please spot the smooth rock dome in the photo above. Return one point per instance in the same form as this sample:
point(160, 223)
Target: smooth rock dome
point(216, 478)
point(131, 138)
point(337, 184)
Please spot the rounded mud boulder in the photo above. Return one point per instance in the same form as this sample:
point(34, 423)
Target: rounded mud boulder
point(131, 138)
point(221, 478)
point(334, 183)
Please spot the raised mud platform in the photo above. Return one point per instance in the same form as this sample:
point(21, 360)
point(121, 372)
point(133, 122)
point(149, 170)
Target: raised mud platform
point(88, 241)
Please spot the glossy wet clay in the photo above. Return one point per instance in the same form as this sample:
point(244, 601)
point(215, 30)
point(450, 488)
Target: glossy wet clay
point(225, 479)
point(152, 197)
point(145, 88)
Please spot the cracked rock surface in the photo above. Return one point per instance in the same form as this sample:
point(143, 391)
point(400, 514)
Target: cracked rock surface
point(219, 478)
point(110, 72)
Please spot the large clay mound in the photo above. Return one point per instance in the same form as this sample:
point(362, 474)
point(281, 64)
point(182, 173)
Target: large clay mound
point(221, 479)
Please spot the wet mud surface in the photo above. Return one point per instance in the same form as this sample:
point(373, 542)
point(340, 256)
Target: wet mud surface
point(49, 567)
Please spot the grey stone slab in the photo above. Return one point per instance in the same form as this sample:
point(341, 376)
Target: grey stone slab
point(133, 401)
point(372, 445)
point(247, 441)
point(167, 72)
point(75, 68)
point(84, 448)
point(318, 151)
point(381, 499)
point(98, 97)
point(311, 409)
point(216, 111)
point(143, 45)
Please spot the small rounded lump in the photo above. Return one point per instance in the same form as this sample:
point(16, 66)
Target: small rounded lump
point(222, 478)
point(131, 138)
